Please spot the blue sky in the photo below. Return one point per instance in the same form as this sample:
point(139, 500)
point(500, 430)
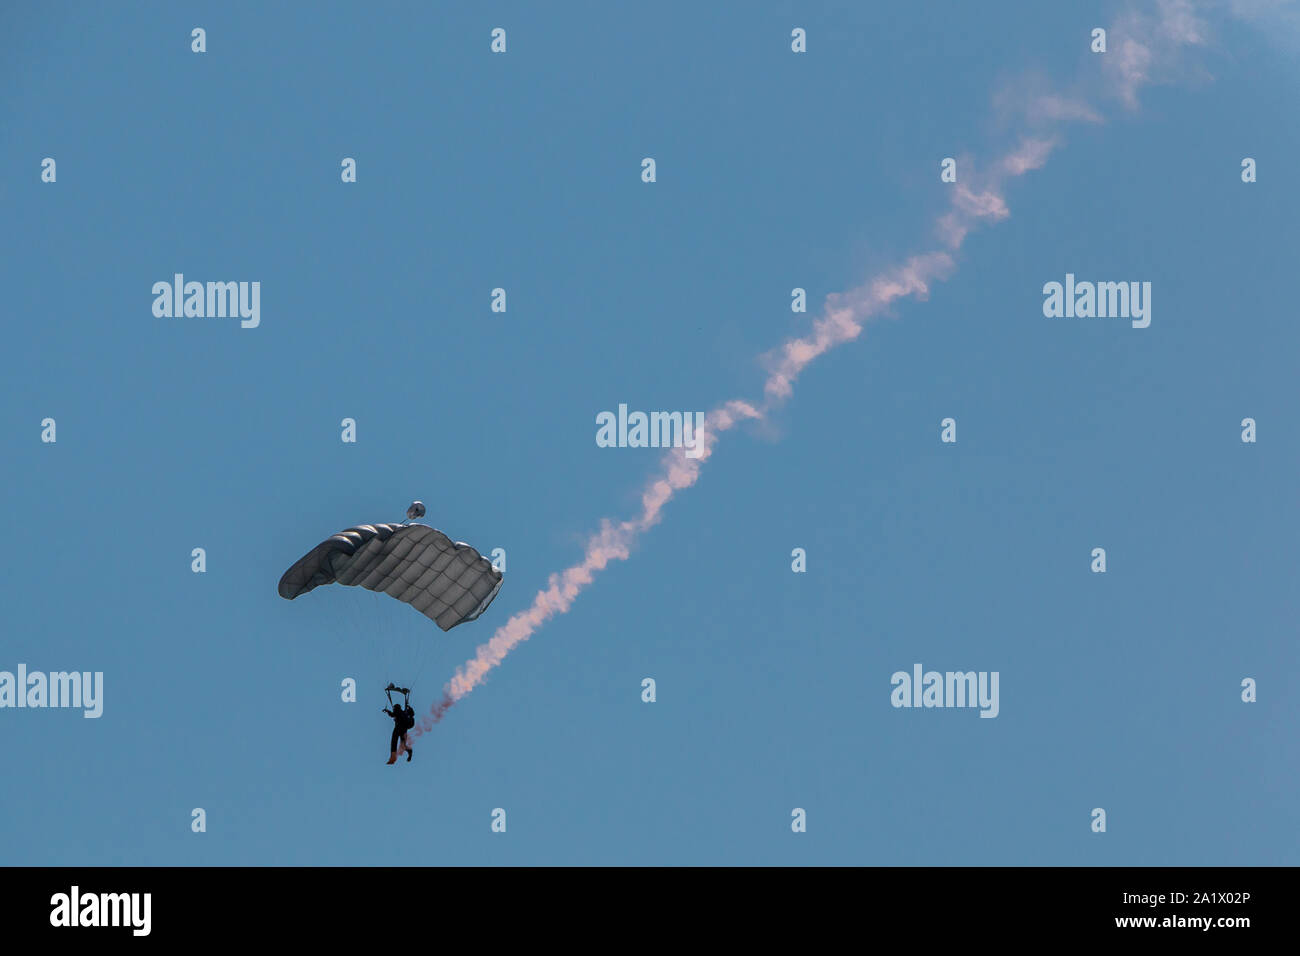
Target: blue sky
point(522, 171)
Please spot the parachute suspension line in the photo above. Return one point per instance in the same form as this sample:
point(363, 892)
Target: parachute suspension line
point(422, 660)
point(360, 619)
point(367, 634)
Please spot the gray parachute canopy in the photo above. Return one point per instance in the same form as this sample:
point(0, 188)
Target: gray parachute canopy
point(445, 580)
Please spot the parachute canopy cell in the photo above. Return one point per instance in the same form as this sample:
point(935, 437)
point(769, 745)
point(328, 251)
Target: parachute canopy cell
point(445, 580)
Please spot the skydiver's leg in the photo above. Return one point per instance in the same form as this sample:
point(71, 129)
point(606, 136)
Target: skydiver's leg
point(409, 750)
point(392, 748)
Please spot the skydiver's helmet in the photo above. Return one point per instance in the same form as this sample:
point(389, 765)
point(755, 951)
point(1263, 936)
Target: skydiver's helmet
point(415, 511)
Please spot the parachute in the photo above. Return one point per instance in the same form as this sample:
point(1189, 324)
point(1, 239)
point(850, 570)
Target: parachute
point(446, 581)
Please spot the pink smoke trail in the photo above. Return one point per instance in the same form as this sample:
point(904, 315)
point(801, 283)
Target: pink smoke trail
point(842, 320)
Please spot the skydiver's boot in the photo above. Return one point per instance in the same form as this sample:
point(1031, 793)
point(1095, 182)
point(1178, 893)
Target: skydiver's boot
point(392, 757)
point(409, 751)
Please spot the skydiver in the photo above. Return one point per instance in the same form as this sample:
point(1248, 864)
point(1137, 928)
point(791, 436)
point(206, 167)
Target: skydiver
point(403, 720)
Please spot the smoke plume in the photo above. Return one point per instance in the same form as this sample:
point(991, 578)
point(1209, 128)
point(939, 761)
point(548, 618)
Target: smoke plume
point(976, 199)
